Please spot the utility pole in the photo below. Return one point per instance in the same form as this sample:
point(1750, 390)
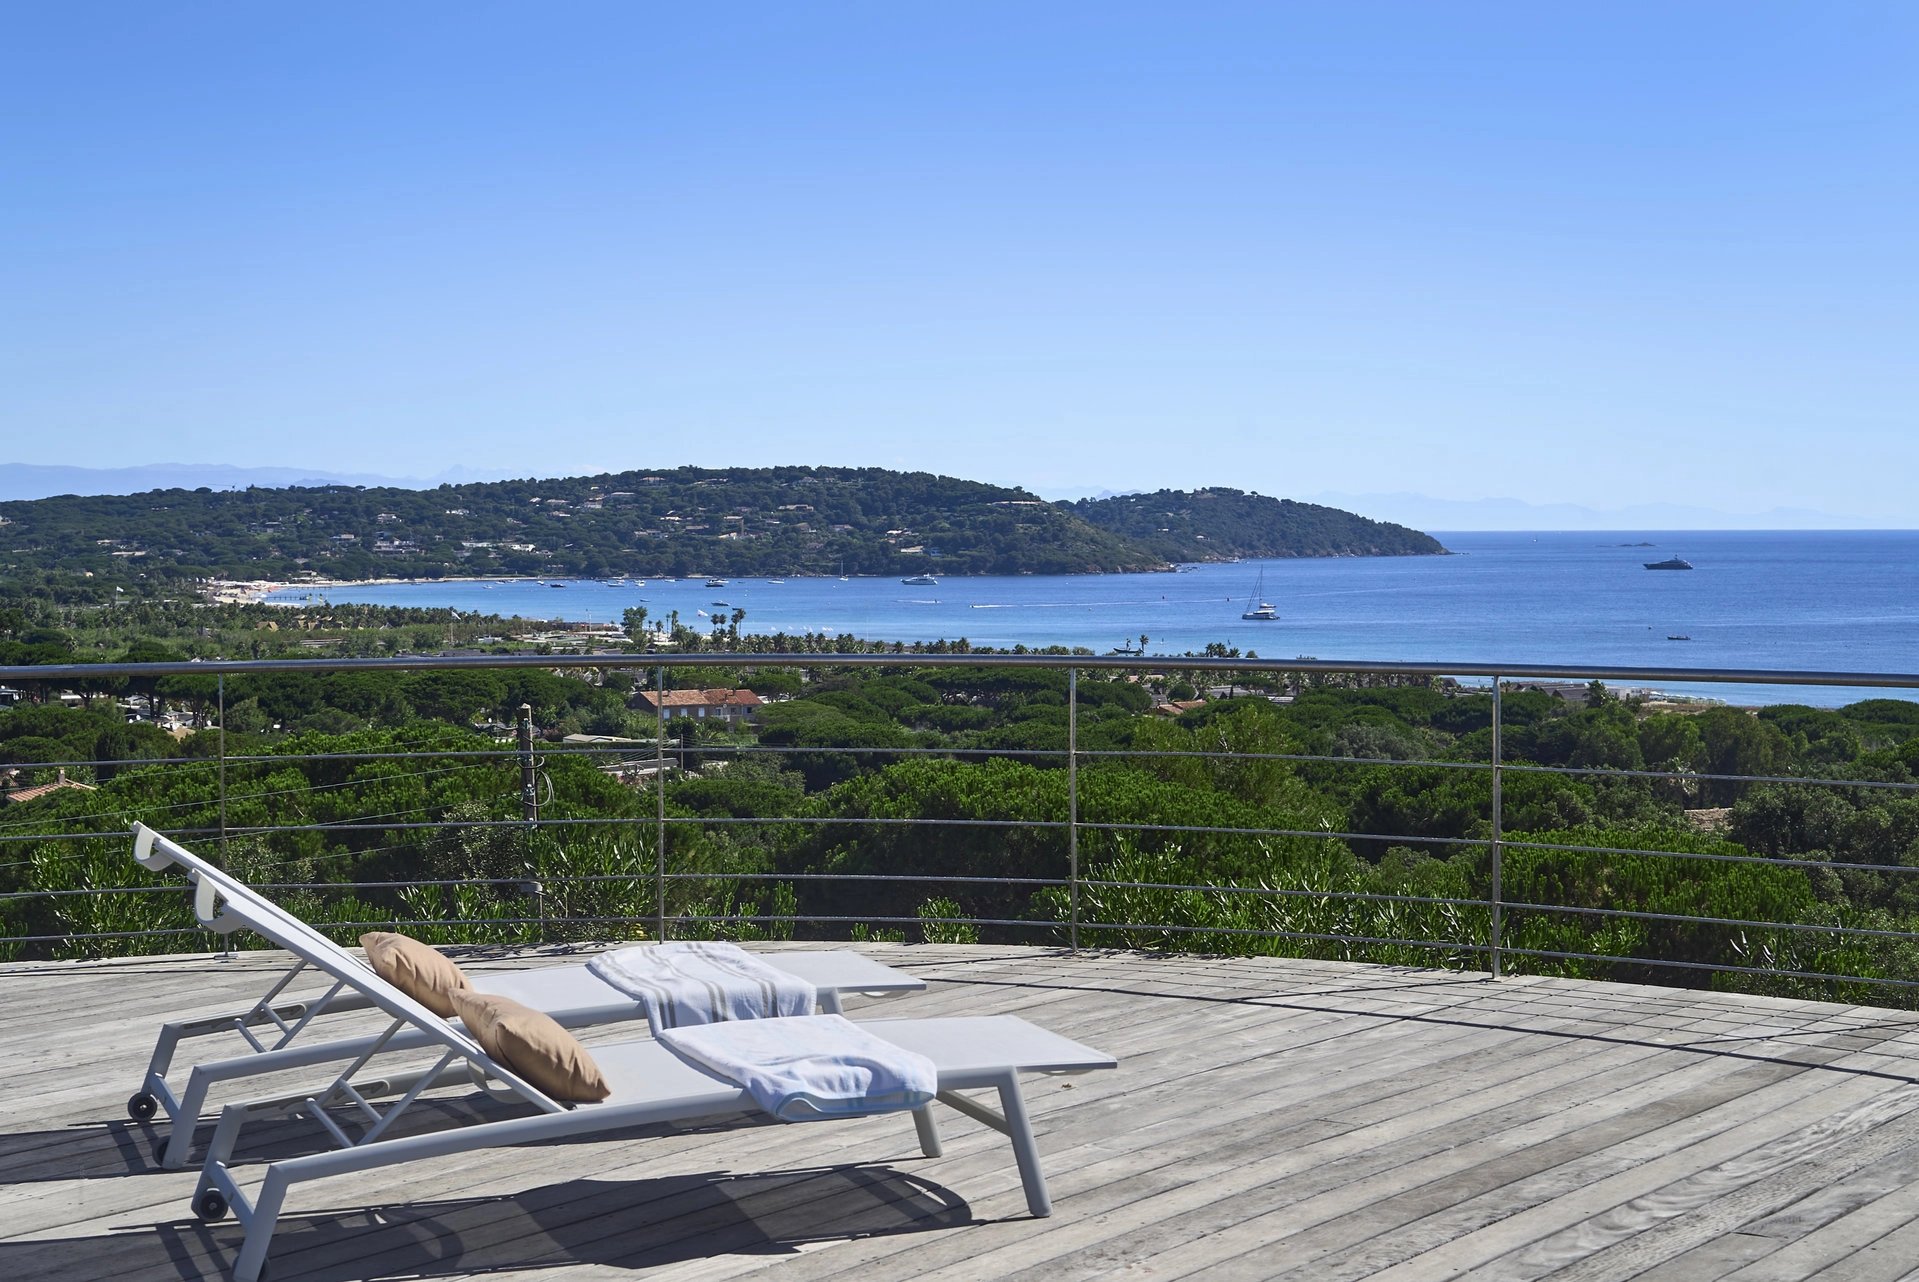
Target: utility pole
point(529, 785)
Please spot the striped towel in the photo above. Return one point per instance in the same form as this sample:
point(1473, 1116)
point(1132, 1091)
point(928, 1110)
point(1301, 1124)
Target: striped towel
point(804, 1070)
point(700, 983)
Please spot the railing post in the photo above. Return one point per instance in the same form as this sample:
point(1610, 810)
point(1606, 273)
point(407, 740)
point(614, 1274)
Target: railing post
point(530, 811)
point(1497, 828)
point(1072, 803)
point(659, 782)
point(220, 700)
point(226, 861)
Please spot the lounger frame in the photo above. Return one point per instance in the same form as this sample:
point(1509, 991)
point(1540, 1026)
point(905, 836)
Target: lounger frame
point(652, 1084)
point(834, 974)
point(963, 1050)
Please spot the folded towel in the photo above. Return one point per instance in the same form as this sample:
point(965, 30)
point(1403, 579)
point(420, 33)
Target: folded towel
point(700, 983)
point(818, 1066)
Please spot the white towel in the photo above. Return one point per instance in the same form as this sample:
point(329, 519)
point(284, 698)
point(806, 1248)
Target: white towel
point(701, 983)
point(805, 1069)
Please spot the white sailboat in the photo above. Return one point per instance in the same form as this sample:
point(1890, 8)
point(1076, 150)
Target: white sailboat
point(1257, 606)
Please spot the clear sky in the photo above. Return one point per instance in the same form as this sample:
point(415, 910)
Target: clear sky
point(1600, 254)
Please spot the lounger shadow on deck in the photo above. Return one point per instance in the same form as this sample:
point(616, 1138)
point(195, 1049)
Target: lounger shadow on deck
point(83, 1151)
point(293, 1136)
point(638, 1224)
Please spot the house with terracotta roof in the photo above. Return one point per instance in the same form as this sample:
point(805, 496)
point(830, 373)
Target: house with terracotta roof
point(15, 796)
point(706, 705)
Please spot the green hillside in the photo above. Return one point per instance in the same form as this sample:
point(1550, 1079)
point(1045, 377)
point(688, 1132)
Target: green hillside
point(1209, 524)
point(790, 520)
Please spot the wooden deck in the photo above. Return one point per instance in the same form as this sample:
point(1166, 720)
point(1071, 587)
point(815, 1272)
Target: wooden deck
point(1270, 1119)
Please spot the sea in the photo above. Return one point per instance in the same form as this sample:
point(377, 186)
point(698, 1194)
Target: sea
point(1826, 601)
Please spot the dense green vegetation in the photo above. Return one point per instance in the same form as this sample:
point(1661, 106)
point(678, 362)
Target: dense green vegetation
point(792, 520)
point(1210, 524)
point(1242, 852)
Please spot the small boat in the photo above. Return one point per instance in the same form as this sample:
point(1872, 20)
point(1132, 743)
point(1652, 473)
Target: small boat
point(781, 582)
point(716, 583)
point(1680, 636)
point(1670, 563)
point(1257, 607)
point(724, 605)
point(921, 581)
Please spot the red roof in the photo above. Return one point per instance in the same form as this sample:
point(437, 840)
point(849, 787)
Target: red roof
point(19, 795)
point(703, 699)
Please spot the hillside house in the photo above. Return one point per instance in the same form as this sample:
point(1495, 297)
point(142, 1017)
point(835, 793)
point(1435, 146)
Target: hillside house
point(728, 706)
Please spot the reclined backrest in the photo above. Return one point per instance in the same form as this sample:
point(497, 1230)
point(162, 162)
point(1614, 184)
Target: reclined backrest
point(224, 904)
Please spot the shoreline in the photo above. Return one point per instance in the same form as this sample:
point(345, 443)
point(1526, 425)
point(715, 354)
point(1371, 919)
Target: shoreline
point(256, 591)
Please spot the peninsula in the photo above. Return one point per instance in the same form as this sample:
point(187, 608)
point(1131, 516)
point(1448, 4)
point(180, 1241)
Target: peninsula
point(686, 521)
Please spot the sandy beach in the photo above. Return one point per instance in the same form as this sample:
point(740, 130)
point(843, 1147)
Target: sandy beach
point(256, 591)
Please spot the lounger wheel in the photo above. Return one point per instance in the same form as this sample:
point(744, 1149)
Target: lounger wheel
point(142, 1106)
point(211, 1205)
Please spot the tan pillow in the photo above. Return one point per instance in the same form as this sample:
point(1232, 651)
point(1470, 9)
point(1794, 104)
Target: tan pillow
point(415, 969)
point(530, 1043)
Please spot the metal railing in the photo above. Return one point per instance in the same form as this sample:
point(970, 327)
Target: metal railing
point(1079, 902)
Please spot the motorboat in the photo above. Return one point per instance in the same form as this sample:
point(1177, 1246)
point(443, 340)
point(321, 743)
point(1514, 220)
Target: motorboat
point(1670, 563)
point(921, 581)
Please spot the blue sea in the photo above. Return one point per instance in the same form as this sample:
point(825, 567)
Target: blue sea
point(1835, 601)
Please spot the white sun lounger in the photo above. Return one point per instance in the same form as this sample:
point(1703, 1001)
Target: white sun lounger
point(572, 995)
point(650, 1084)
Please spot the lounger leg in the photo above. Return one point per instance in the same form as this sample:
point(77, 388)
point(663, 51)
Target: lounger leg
point(226, 1135)
point(266, 1214)
point(929, 1130)
point(173, 1154)
point(1025, 1149)
point(1011, 1122)
point(163, 1050)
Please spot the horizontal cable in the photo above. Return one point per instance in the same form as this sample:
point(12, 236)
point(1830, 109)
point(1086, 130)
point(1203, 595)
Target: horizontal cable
point(1280, 893)
point(1638, 915)
point(1251, 933)
point(1728, 967)
point(1223, 665)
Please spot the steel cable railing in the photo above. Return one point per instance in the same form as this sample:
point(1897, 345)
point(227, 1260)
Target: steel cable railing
point(1491, 921)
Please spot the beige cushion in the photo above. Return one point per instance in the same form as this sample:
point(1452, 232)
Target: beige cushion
point(420, 972)
point(530, 1043)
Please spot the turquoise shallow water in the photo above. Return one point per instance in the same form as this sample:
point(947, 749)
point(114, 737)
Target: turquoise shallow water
point(1828, 601)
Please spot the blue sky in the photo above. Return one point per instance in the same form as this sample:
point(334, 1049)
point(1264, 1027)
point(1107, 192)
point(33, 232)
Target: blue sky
point(1605, 255)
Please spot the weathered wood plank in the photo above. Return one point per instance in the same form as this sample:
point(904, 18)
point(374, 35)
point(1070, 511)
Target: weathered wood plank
point(1325, 1120)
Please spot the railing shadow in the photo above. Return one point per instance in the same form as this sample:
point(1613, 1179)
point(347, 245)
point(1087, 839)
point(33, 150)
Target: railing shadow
point(1813, 1048)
